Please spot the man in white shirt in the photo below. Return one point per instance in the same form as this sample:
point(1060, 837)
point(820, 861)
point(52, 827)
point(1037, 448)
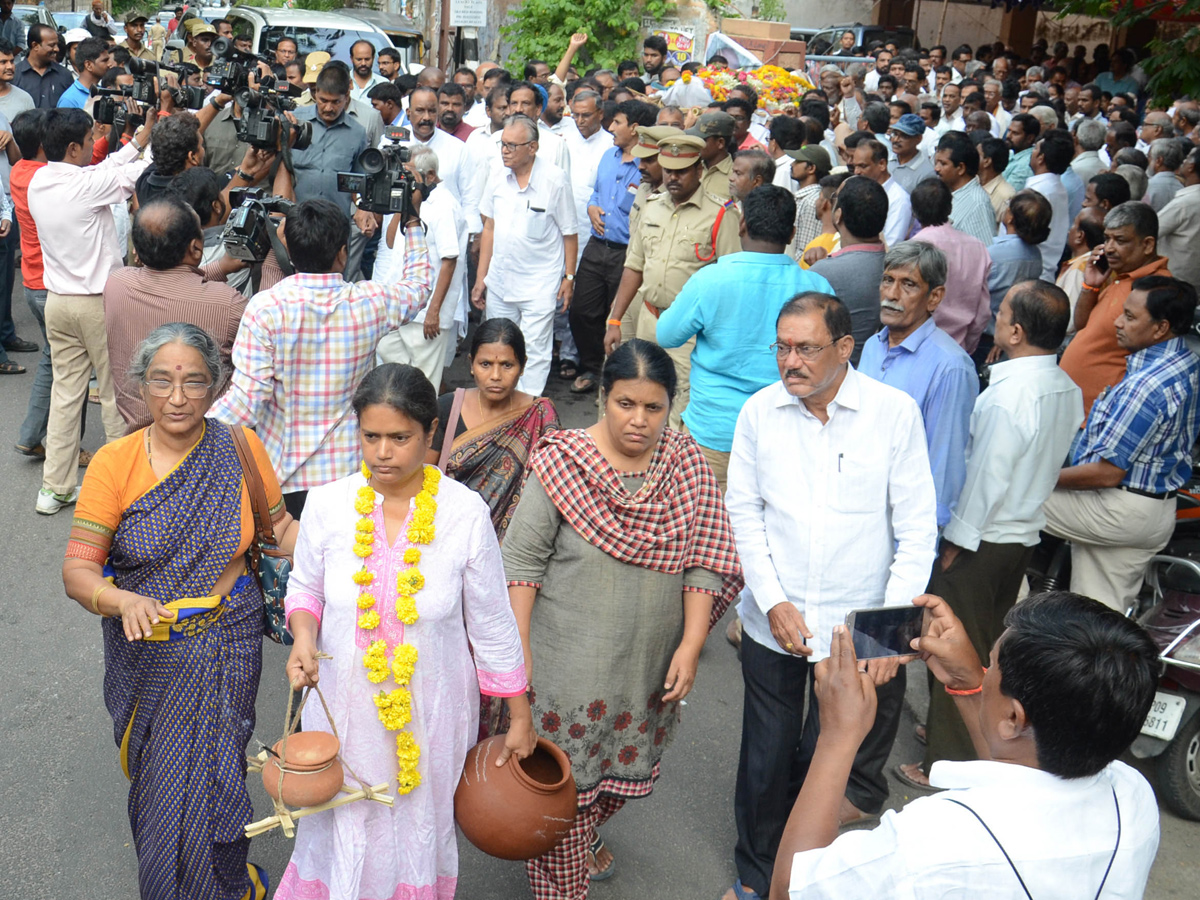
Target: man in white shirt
point(1051, 157)
point(528, 246)
point(454, 171)
point(586, 143)
point(70, 201)
point(952, 113)
point(832, 505)
point(1179, 224)
point(870, 159)
point(427, 342)
point(1066, 691)
point(364, 76)
point(1021, 429)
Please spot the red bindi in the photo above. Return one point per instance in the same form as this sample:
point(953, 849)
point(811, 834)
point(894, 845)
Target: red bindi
point(179, 368)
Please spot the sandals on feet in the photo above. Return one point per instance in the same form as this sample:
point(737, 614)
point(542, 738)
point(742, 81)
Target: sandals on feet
point(594, 850)
point(584, 384)
point(567, 370)
point(913, 775)
point(11, 368)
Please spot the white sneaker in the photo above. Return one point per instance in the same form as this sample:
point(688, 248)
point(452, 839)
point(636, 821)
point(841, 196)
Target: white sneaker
point(48, 502)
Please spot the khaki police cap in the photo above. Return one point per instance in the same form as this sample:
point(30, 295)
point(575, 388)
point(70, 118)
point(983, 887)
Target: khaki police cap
point(713, 124)
point(648, 138)
point(679, 151)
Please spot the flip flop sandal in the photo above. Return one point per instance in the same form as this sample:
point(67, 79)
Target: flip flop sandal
point(904, 777)
point(567, 370)
point(584, 384)
point(594, 849)
point(11, 368)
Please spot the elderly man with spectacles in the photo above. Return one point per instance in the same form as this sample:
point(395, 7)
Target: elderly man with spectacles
point(528, 249)
point(833, 509)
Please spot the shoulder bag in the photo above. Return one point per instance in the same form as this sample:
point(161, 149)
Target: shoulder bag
point(270, 564)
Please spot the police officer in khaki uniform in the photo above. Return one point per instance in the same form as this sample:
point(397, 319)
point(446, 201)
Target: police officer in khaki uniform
point(716, 130)
point(645, 151)
point(680, 231)
point(135, 36)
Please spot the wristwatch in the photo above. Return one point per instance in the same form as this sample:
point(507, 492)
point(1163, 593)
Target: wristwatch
point(238, 173)
point(569, 277)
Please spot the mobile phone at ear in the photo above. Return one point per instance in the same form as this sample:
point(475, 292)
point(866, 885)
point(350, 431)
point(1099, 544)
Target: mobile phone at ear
point(879, 633)
point(1101, 262)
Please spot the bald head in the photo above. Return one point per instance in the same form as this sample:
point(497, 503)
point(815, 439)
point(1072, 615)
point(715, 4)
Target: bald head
point(167, 233)
point(431, 77)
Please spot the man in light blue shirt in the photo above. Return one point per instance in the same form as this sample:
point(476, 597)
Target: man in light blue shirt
point(730, 307)
point(1023, 132)
point(94, 59)
point(914, 355)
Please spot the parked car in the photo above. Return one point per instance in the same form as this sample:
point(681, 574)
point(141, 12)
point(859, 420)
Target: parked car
point(826, 40)
point(401, 31)
point(333, 32)
point(32, 15)
point(67, 20)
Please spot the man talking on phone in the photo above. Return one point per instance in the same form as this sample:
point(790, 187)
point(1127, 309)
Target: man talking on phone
point(833, 508)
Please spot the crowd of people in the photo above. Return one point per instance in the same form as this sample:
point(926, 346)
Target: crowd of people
point(855, 352)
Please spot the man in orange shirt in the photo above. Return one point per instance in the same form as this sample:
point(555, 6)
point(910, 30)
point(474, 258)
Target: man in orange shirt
point(1094, 359)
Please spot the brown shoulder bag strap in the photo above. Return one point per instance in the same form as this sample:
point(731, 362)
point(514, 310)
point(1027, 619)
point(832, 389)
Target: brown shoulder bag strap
point(259, 507)
point(451, 424)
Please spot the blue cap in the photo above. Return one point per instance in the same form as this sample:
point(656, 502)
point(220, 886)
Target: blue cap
point(910, 124)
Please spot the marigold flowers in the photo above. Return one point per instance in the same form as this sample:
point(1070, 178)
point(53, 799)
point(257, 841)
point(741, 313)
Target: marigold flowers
point(395, 708)
point(404, 663)
point(375, 661)
point(408, 756)
point(410, 581)
point(406, 609)
point(362, 577)
point(365, 600)
point(368, 620)
point(412, 556)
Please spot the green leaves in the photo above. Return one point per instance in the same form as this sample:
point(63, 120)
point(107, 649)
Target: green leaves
point(541, 29)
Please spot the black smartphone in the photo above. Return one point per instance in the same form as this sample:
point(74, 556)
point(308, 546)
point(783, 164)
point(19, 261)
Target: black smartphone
point(885, 632)
point(1101, 262)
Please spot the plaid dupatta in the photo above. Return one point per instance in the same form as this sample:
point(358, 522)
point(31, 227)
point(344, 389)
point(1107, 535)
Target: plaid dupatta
point(675, 521)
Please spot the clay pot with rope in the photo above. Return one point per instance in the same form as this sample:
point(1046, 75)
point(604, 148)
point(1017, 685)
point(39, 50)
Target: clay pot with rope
point(311, 771)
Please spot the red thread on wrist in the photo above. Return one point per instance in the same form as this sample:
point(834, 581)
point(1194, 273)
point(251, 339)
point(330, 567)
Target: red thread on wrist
point(970, 693)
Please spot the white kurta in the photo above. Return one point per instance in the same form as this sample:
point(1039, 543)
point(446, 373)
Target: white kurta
point(365, 849)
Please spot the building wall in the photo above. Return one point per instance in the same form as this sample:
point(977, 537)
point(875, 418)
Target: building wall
point(820, 13)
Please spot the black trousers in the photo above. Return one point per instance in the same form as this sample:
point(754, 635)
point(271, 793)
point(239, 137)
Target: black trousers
point(596, 283)
point(778, 742)
point(981, 586)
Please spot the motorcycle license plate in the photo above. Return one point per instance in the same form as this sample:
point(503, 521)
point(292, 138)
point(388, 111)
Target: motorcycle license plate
point(1165, 713)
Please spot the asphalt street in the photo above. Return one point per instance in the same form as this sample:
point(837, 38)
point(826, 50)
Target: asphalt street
point(64, 833)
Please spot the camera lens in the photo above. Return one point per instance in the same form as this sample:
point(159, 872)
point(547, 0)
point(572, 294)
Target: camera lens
point(371, 161)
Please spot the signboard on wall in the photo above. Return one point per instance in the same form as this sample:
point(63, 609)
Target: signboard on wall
point(680, 38)
point(468, 13)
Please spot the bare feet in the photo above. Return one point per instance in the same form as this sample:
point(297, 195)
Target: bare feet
point(849, 814)
point(912, 774)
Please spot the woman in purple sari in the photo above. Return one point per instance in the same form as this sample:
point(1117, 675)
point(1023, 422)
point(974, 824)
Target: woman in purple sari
point(157, 549)
point(492, 428)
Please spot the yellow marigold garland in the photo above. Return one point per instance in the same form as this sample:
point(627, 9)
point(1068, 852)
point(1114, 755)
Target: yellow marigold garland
point(395, 707)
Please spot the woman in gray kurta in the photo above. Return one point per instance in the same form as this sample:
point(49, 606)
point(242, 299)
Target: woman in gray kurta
point(619, 558)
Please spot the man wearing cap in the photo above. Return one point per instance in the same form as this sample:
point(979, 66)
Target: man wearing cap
point(911, 166)
point(603, 258)
point(680, 232)
point(809, 165)
point(39, 74)
point(73, 37)
point(527, 248)
point(716, 130)
point(135, 31)
point(198, 49)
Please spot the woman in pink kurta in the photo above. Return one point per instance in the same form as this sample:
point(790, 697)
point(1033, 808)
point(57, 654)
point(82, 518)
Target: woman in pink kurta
point(365, 849)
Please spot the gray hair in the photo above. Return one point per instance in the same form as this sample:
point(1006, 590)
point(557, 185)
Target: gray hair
point(1138, 182)
point(857, 71)
point(929, 260)
point(1168, 153)
point(424, 160)
point(1047, 117)
point(1034, 73)
point(972, 67)
point(1140, 216)
point(830, 67)
point(530, 126)
point(177, 333)
point(1090, 134)
point(586, 95)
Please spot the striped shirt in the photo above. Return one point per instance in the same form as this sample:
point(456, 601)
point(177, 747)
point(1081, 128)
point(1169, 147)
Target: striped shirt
point(138, 299)
point(972, 212)
point(1149, 421)
point(301, 351)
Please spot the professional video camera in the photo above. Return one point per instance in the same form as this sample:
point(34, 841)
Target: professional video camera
point(260, 124)
point(110, 109)
point(386, 186)
point(231, 67)
point(250, 232)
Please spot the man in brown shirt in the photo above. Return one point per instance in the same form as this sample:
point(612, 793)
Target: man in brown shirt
point(167, 287)
point(1094, 359)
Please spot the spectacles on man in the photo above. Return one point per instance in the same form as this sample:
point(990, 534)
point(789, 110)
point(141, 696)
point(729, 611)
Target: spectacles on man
point(509, 147)
point(805, 351)
point(193, 390)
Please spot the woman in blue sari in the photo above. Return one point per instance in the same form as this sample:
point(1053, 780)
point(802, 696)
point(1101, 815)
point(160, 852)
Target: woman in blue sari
point(157, 549)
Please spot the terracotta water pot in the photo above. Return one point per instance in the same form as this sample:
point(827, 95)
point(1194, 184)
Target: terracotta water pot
point(314, 773)
point(521, 809)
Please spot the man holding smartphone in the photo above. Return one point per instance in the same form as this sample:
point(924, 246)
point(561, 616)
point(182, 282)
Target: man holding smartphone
point(833, 508)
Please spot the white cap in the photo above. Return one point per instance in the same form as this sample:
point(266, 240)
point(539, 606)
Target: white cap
point(75, 35)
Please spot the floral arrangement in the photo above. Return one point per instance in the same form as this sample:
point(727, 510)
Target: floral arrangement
point(395, 706)
point(776, 87)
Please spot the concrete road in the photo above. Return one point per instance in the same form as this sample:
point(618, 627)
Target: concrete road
point(63, 828)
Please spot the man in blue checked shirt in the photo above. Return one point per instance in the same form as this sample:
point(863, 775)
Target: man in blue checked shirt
point(603, 259)
point(1116, 502)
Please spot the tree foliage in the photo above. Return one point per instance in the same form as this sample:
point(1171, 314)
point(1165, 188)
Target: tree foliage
point(1172, 62)
point(541, 29)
